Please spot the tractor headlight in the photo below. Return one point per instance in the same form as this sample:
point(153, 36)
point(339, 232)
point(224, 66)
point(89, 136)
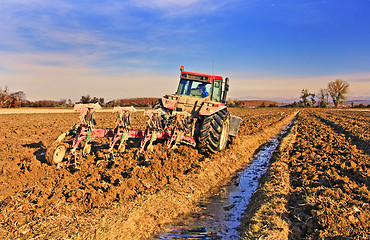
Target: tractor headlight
point(211, 105)
point(171, 97)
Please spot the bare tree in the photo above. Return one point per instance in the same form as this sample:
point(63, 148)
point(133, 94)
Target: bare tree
point(304, 96)
point(62, 102)
point(88, 99)
point(85, 99)
point(338, 90)
point(313, 99)
point(5, 91)
point(323, 98)
point(11, 100)
point(20, 95)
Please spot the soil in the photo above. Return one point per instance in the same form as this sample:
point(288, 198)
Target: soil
point(330, 177)
point(318, 186)
point(38, 200)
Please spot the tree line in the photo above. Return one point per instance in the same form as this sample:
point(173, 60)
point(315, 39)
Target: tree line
point(17, 99)
point(11, 99)
point(336, 90)
point(136, 102)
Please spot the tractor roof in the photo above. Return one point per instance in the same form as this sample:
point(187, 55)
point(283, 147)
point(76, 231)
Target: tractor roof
point(199, 76)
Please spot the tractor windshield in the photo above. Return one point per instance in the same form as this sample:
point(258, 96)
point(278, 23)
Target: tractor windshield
point(194, 88)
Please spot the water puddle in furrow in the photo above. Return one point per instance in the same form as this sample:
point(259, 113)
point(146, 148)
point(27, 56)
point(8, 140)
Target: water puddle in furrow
point(221, 213)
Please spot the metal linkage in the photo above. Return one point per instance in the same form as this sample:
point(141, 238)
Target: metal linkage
point(152, 129)
point(175, 134)
point(179, 129)
point(122, 130)
point(85, 131)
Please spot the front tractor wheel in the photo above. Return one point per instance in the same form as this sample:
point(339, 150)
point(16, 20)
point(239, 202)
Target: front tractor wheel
point(214, 132)
point(56, 152)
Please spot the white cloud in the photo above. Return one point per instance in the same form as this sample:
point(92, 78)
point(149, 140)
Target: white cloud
point(65, 26)
point(184, 9)
point(165, 4)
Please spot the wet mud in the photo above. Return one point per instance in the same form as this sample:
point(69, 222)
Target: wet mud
point(221, 214)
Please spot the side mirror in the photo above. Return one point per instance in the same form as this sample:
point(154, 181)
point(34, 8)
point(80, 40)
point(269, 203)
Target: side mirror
point(226, 84)
point(226, 89)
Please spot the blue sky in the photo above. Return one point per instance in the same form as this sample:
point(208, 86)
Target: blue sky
point(117, 49)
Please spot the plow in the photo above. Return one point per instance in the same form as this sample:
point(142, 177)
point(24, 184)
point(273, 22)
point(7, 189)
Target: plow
point(195, 115)
point(76, 142)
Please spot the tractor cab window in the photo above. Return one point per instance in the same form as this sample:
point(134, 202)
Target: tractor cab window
point(194, 88)
point(217, 90)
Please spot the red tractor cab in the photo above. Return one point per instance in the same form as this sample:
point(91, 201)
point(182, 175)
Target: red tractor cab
point(203, 85)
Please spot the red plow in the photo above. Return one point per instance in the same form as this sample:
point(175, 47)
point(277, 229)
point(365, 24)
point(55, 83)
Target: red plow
point(76, 142)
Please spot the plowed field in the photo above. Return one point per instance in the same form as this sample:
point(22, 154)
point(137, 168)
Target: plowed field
point(318, 185)
point(129, 201)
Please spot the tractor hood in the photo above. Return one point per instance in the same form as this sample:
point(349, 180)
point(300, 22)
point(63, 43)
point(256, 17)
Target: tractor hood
point(182, 103)
point(194, 105)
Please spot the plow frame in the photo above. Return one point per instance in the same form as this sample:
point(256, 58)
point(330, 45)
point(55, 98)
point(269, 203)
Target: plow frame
point(85, 132)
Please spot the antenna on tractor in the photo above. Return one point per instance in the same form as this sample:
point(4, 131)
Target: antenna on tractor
point(213, 66)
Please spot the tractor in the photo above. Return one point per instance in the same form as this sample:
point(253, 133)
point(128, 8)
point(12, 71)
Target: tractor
point(196, 115)
point(202, 100)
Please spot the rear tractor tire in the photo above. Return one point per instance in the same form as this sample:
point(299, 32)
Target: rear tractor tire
point(55, 152)
point(214, 132)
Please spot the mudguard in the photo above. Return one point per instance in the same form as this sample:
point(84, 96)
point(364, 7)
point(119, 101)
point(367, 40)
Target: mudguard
point(234, 125)
point(210, 108)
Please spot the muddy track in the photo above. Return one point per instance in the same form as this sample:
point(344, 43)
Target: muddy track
point(129, 201)
point(317, 187)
